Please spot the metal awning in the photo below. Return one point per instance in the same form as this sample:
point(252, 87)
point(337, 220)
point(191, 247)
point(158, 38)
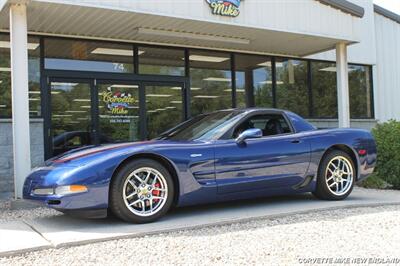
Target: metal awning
point(46, 18)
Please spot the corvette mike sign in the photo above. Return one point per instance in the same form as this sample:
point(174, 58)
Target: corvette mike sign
point(228, 8)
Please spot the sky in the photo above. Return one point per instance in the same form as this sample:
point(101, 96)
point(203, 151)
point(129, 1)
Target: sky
point(392, 5)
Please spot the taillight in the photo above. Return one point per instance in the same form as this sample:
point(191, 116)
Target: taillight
point(362, 152)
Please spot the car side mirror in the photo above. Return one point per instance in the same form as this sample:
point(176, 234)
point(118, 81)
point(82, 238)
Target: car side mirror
point(251, 133)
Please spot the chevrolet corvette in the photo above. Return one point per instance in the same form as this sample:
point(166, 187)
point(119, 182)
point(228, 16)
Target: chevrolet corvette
point(221, 156)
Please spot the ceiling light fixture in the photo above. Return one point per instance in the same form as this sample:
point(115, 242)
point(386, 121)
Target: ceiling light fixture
point(158, 95)
point(112, 51)
point(81, 100)
point(123, 86)
point(5, 69)
point(73, 111)
point(333, 69)
point(218, 79)
point(31, 46)
point(203, 58)
point(206, 96)
point(268, 64)
point(63, 84)
point(192, 36)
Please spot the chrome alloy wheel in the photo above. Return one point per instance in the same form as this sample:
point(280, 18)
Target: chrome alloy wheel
point(145, 191)
point(339, 175)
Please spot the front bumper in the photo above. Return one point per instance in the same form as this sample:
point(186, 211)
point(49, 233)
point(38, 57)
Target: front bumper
point(93, 203)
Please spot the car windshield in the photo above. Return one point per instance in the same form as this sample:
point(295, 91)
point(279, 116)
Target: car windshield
point(203, 127)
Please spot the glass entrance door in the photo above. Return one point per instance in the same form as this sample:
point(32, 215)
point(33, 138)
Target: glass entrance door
point(164, 108)
point(118, 112)
point(71, 124)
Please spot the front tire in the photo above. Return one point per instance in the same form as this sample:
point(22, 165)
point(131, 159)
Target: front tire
point(142, 191)
point(336, 175)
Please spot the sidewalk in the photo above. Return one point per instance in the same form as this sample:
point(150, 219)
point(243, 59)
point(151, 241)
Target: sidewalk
point(59, 231)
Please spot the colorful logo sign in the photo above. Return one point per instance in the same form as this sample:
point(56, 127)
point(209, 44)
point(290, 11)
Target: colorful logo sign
point(118, 102)
point(229, 8)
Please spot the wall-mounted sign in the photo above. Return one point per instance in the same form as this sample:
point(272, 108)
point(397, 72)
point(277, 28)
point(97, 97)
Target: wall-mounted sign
point(229, 8)
point(118, 102)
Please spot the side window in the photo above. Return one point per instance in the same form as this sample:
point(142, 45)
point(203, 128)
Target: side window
point(270, 125)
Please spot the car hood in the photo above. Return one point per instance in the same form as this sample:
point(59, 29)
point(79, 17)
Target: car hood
point(85, 154)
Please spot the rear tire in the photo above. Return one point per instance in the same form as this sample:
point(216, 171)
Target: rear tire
point(336, 175)
point(142, 191)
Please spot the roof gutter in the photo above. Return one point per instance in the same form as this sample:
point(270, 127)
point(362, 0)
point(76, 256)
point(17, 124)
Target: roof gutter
point(386, 13)
point(345, 6)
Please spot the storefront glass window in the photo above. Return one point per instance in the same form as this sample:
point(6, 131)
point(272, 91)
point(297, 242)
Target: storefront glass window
point(360, 92)
point(211, 81)
point(291, 86)
point(64, 54)
point(164, 108)
point(161, 61)
point(34, 76)
point(253, 75)
point(324, 91)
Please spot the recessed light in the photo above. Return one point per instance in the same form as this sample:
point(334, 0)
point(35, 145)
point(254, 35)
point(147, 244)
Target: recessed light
point(5, 69)
point(218, 79)
point(176, 102)
point(31, 46)
point(63, 84)
point(81, 100)
point(278, 82)
point(75, 111)
point(158, 95)
point(267, 64)
point(206, 96)
point(62, 115)
point(112, 51)
point(203, 58)
point(123, 86)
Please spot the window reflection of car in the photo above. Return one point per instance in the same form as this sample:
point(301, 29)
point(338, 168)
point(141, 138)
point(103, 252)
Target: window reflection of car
point(74, 139)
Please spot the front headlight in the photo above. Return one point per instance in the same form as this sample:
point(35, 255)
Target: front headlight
point(43, 191)
point(72, 189)
point(61, 190)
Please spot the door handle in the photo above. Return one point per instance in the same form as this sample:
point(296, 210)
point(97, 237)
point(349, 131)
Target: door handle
point(296, 141)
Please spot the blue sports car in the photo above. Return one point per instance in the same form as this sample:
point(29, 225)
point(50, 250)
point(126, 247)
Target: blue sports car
point(221, 156)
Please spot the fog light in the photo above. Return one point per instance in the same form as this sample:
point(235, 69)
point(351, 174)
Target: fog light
point(64, 190)
point(43, 191)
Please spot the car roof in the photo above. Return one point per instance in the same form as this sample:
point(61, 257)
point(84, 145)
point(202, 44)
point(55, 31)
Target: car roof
point(254, 109)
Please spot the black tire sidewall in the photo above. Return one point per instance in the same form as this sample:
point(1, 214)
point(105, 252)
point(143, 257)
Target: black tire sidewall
point(116, 201)
point(322, 190)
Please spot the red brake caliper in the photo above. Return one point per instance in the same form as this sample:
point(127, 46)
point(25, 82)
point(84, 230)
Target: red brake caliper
point(156, 192)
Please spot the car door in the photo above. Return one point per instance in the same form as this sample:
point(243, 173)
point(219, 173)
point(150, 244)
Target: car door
point(269, 162)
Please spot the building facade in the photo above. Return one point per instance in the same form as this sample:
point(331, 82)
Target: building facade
point(76, 73)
